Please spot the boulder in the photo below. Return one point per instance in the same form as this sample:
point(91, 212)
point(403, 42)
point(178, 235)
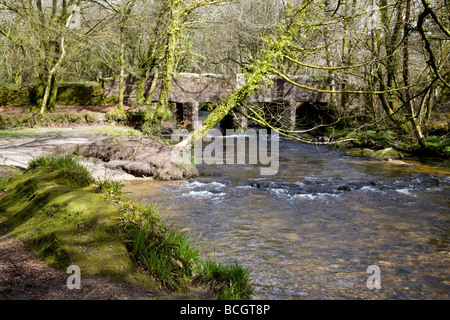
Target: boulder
point(140, 157)
point(385, 154)
point(400, 163)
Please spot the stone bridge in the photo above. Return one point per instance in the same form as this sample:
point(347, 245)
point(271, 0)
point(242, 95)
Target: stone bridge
point(190, 90)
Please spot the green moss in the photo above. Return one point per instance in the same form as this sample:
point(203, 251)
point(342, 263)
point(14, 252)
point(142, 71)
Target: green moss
point(86, 94)
point(384, 154)
point(14, 96)
point(6, 174)
point(141, 118)
point(34, 119)
point(65, 225)
point(89, 117)
point(112, 100)
point(117, 115)
point(439, 126)
point(112, 131)
point(388, 153)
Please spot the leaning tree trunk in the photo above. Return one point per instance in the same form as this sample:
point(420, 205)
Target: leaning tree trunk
point(152, 89)
point(261, 71)
point(124, 16)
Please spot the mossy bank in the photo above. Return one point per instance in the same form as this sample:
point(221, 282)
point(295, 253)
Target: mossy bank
point(66, 225)
point(66, 218)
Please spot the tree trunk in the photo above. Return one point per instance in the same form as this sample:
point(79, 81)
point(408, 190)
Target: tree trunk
point(414, 120)
point(140, 98)
point(347, 48)
point(146, 96)
point(122, 67)
point(51, 76)
point(429, 104)
point(162, 109)
point(152, 89)
point(47, 90)
point(53, 93)
point(330, 64)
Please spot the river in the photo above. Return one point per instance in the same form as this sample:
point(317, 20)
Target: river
point(312, 230)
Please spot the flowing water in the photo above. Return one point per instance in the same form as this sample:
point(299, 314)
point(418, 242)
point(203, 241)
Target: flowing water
point(312, 230)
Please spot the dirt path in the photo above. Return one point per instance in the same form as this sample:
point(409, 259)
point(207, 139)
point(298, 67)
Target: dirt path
point(25, 277)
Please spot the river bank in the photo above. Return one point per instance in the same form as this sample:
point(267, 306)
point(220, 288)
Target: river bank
point(66, 218)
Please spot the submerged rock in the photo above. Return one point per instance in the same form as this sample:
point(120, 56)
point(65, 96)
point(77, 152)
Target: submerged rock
point(400, 163)
point(368, 153)
point(335, 186)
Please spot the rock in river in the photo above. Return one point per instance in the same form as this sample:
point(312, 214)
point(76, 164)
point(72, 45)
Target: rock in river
point(138, 156)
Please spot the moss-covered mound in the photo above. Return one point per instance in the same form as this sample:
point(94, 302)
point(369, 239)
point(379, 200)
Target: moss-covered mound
point(66, 225)
point(385, 154)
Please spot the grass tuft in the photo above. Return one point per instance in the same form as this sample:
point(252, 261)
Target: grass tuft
point(229, 282)
point(167, 255)
point(170, 256)
point(116, 131)
point(66, 168)
point(110, 186)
